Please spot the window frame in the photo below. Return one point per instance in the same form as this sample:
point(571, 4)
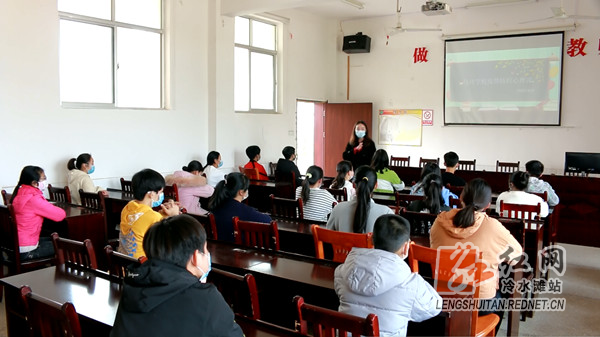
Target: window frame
point(113, 24)
point(276, 54)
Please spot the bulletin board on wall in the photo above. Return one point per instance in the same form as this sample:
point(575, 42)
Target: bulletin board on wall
point(400, 127)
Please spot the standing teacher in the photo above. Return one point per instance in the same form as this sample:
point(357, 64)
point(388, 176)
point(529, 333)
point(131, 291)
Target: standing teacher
point(360, 149)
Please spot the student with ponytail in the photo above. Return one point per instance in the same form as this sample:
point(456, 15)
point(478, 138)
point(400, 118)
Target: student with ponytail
point(472, 225)
point(516, 194)
point(78, 177)
point(226, 203)
point(317, 201)
point(344, 174)
point(359, 214)
point(192, 186)
point(433, 202)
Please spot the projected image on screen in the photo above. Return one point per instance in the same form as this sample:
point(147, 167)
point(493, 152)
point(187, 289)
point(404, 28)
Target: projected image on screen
point(513, 80)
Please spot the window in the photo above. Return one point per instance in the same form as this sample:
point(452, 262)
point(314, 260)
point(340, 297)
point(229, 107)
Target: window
point(255, 62)
point(110, 53)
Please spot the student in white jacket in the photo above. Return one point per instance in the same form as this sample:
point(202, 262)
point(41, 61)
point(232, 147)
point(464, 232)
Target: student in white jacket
point(78, 177)
point(518, 184)
point(378, 281)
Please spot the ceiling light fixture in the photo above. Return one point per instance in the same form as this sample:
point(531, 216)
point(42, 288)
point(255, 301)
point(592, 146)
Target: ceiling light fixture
point(354, 3)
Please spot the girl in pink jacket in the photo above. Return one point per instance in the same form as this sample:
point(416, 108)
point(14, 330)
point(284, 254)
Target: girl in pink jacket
point(30, 210)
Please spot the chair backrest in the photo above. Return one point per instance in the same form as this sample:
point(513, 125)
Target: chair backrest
point(507, 166)
point(454, 202)
point(74, 253)
point(285, 184)
point(543, 195)
point(339, 194)
point(467, 165)
point(516, 227)
point(400, 161)
point(455, 189)
point(48, 318)
point(287, 208)
point(327, 322)
point(59, 194)
point(404, 199)
point(526, 212)
point(272, 167)
point(341, 242)
point(256, 234)
point(213, 226)
point(91, 200)
point(385, 198)
point(118, 262)
point(423, 161)
point(171, 192)
point(251, 173)
point(126, 185)
point(240, 292)
point(6, 197)
point(420, 223)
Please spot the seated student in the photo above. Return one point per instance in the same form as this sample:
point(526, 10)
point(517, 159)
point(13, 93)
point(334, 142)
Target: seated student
point(516, 195)
point(417, 189)
point(433, 202)
point(536, 185)
point(286, 164)
point(387, 180)
point(344, 174)
point(253, 153)
point(30, 210)
point(317, 201)
point(226, 203)
point(78, 177)
point(449, 176)
point(192, 186)
point(379, 281)
point(358, 215)
point(212, 168)
point(137, 216)
point(472, 224)
point(168, 294)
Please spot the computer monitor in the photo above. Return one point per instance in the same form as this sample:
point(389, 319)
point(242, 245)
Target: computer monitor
point(582, 162)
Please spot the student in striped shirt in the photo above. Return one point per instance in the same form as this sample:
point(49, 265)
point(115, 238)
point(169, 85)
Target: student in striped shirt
point(318, 203)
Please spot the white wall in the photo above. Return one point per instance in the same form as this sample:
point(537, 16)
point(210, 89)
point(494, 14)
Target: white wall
point(388, 77)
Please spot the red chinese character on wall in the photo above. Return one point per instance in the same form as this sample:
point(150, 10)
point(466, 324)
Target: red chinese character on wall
point(576, 47)
point(420, 55)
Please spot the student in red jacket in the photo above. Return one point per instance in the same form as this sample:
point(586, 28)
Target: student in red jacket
point(30, 210)
point(253, 153)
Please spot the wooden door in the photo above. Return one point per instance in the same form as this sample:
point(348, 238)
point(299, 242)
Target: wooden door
point(319, 138)
point(339, 120)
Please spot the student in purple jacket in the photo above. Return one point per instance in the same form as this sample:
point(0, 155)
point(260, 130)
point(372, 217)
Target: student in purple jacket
point(226, 203)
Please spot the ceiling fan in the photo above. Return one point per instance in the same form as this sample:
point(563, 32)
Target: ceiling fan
point(560, 13)
point(400, 29)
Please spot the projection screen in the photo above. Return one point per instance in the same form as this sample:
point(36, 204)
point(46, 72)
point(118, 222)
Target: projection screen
point(508, 80)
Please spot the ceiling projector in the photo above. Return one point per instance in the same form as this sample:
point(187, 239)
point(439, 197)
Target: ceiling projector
point(435, 8)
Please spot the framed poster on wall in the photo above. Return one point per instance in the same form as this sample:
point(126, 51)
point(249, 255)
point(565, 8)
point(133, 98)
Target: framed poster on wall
point(400, 127)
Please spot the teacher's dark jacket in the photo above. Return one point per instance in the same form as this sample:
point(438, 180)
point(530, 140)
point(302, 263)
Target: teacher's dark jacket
point(362, 157)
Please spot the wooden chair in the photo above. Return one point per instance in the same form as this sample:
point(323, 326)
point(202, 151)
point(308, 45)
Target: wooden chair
point(400, 161)
point(339, 194)
point(331, 323)
point(543, 195)
point(404, 199)
point(256, 234)
point(341, 242)
point(516, 227)
point(48, 318)
point(126, 185)
point(118, 262)
point(240, 292)
point(455, 189)
point(251, 173)
point(385, 198)
point(455, 203)
point(467, 165)
point(420, 223)
point(287, 208)
point(423, 161)
point(213, 226)
point(6, 197)
point(59, 194)
point(91, 200)
point(507, 166)
point(171, 192)
point(444, 275)
point(74, 253)
point(285, 185)
point(525, 212)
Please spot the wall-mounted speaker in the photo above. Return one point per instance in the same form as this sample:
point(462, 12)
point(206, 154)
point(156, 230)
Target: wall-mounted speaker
point(359, 43)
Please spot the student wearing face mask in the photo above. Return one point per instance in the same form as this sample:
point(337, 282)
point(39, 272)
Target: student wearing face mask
point(226, 203)
point(212, 168)
point(168, 294)
point(360, 148)
point(344, 174)
point(137, 216)
point(78, 177)
point(30, 210)
point(192, 186)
